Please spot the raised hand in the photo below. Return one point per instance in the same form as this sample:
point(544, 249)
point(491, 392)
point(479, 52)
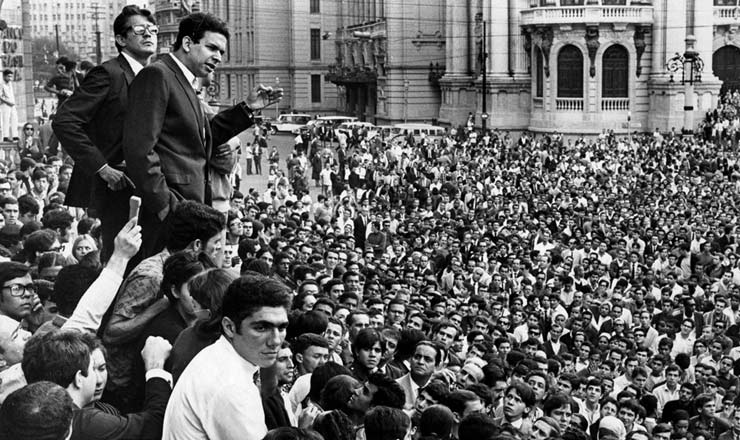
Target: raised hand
point(262, 97)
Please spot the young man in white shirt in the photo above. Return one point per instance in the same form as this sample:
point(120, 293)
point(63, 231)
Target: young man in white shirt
point(216, 396)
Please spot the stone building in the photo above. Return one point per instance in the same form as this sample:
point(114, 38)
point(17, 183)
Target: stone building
point(582, 66)
point(276, 43)
point(384, 50)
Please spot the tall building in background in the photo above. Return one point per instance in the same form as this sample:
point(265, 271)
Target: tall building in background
point(286, 44)
point(75, 23)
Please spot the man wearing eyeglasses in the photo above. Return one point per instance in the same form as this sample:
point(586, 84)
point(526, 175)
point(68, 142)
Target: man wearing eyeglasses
point(18, 293)
point(90, 126)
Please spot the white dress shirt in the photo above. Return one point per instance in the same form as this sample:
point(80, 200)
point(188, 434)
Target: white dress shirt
point(216, 398)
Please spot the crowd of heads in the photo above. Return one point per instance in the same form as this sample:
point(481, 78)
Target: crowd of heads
point(471, 286)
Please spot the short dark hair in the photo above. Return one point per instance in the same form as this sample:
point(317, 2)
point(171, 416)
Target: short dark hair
point(10, 270)
point(196, 25)
point(321, 375)
point(121, 23)
point(179, 268)
point(250, 293)
point(57, 356)
point(41, 410)
point(383, 423)
point(477, 426)
point(306, 340)
point(389, 392)
point(457, 400)
point(38, 241)
point(70, 285)
point(366, 338)
point(7, 72)
point(525, 393)
point(57, 220)
point(28, 205)
point(555, 401)
point(191, 221)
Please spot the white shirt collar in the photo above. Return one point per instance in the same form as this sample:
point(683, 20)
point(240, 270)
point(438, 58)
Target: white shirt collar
point(135, 65)
point(185, 71)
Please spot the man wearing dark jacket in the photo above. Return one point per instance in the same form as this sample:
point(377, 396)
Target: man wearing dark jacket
point(90, 127)
point(65, 358)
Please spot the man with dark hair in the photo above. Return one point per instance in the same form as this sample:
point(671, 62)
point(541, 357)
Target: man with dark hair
point(62, 85)
point(42, 410)
point(216, 396)
point(168, 142)
point(9, 206)
point(60, 221)
point(192, 226)
point(310, 351)
point(65, 358)
point(384, 423)
point(28, 209)
point(519, 401)
point(90, 128)
point(477, 426)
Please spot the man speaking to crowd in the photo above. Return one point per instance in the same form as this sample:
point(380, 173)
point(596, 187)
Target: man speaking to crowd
point(168, 142)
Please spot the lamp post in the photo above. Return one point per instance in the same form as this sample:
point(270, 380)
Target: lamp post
point(629, 127)
point(691, 65)
point(277, 103)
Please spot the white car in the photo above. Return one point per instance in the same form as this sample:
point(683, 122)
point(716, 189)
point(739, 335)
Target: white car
point(291, 121)
point(348, 127)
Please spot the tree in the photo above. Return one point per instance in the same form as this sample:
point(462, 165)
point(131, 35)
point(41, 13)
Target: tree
point(45, 56)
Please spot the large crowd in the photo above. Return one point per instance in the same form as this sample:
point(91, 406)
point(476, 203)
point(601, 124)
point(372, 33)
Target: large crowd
point(474, 286)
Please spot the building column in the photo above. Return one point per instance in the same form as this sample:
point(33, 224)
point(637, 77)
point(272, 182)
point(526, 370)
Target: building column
point(457, 47)
point(658, 37)
point(497, 17)
point(704, 32)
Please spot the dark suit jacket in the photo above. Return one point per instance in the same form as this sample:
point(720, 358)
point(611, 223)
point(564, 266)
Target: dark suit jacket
point(90, 128)
point(550, 352)
point(94, 424)
point(167, 140)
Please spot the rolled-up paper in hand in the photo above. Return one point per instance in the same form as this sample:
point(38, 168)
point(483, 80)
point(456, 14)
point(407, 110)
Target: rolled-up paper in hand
point(134, 203)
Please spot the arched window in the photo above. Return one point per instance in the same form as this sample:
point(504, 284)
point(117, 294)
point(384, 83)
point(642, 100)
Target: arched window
point(726, 65)
point(570, 72)
point(615, 72)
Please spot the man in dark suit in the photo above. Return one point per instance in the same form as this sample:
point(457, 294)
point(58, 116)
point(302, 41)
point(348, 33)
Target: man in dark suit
point(90, 129)
point(65, 358)
point(168, 142)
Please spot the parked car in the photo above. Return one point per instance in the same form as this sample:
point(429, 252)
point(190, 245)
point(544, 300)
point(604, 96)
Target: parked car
point(330, 122)
point(348, 127)
point(291, 121)
point(419, 129)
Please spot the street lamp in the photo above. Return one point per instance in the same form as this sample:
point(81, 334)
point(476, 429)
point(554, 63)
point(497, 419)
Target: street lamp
point(691, 66)
point(277, 103)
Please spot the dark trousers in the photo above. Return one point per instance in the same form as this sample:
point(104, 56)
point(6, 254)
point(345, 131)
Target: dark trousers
point(113, 215)
point(257, 164)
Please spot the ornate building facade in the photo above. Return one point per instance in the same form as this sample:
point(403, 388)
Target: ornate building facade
point(579, 66)
point(582, 66)
point(384, 49)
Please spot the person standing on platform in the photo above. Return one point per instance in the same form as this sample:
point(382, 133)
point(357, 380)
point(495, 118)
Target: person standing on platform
point(168, 142)
point(90, 130)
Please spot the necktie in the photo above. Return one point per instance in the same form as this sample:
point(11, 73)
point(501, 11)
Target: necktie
point(257, 380)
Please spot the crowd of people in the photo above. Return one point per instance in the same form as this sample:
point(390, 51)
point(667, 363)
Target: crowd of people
point(474, 286)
